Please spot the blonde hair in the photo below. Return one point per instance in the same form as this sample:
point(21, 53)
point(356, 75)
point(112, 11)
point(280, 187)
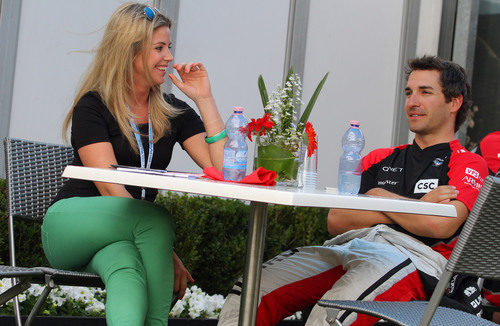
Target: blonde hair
point(111, 73)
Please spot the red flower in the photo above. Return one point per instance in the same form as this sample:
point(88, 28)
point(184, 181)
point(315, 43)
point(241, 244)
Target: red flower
point(311, 135)
point(259, 126)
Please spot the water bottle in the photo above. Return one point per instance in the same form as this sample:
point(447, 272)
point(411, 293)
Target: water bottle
point(234, 166)
point(349, 178)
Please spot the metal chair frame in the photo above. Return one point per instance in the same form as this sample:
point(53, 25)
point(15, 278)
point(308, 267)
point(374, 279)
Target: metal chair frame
point(34, 172)
point(475, 253)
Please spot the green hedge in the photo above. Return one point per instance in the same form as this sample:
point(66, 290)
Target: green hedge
point(211, 235)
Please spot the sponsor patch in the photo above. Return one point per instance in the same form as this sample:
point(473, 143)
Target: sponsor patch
point(437, 162)
point(392, 169)
point(424, 186)
point(472, 172)
point(388, 182)
point(473, 178)
point(473, 182)
point(470, 291)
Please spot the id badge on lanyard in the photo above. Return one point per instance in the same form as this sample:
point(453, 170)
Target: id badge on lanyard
point(137, 135)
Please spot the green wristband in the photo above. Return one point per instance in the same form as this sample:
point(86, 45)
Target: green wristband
point(216, 137)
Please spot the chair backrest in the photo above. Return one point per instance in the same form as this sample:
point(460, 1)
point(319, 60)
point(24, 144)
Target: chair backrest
point(33, 176)
point(477, 249)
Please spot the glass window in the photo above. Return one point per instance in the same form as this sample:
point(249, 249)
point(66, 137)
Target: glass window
point(485, 115)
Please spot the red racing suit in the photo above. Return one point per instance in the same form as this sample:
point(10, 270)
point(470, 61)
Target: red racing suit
point(379, 263)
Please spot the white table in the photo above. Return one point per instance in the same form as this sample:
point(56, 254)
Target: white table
point(259, 197)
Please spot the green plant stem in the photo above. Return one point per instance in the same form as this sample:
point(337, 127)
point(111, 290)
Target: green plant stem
point(263, 91)
point(312, 101)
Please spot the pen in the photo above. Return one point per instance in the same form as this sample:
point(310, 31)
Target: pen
point(176, 174)
point(181, 175)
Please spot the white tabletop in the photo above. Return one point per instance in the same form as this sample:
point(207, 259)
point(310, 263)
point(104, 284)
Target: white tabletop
point(274, 195)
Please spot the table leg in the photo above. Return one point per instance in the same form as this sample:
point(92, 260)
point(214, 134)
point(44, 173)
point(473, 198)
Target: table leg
point(253, 265)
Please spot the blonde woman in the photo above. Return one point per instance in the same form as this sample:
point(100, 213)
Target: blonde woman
point(120, 116)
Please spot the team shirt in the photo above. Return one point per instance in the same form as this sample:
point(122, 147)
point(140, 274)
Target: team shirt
point(368, 264)
point(412, 172)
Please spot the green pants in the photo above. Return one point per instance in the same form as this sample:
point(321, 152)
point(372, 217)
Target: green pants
point(128, 242)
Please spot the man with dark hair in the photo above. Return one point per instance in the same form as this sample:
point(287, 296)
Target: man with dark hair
point(453, 80)
point(387, 256)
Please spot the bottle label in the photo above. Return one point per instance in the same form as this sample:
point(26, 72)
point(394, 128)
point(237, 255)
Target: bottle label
point(235, 159)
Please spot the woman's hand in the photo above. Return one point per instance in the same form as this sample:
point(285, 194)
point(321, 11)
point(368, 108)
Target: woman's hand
point(194, 80)
point(181, 277)
point(195, 84)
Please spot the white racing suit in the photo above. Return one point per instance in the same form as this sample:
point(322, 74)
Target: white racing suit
point(373, 264)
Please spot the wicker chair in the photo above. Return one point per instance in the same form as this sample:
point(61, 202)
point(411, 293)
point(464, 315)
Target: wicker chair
point(476, 253)
point(33, 178)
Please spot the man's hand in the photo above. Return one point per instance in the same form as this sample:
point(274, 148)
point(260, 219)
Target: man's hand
point(432, 226)
point(442, 195)
point(428, 225)
point(181, 277)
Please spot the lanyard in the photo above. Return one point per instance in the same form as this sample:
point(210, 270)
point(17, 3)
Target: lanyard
point(141, 148)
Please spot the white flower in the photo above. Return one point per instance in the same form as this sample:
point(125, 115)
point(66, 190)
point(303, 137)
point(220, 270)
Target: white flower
point(282, 104)
point(21, 297)
point(35, 290)
point(178, 308)
point(5, 284)
point(58, 301)
point(95, 306)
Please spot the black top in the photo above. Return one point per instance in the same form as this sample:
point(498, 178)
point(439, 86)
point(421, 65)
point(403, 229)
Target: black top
point(93, 123)
point(410, 171)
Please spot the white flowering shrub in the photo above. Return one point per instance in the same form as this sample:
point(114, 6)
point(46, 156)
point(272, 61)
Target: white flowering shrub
point(198, 304)
point(84, 301)
point(62, 301)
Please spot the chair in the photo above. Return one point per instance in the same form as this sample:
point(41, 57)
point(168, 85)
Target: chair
point(33, 178)
point(476, 253)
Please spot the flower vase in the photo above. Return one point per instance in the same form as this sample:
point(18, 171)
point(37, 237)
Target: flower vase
point(276, 158)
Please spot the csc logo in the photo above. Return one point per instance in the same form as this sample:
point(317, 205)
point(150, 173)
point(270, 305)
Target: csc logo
point(425, 185)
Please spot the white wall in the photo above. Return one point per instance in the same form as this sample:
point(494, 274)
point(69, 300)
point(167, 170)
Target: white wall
point(55, 38)
point(358, 42)
point(236, 41)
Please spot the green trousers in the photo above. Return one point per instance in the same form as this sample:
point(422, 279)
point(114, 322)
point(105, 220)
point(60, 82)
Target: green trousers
point(128, 242)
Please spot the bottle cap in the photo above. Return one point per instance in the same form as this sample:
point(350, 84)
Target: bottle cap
point(238, 109)
point(354, 122)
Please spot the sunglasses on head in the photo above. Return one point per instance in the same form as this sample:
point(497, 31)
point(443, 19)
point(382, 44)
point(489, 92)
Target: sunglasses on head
point(150, 12)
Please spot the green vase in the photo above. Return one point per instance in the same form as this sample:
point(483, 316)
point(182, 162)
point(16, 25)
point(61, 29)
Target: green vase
point(282, 161)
